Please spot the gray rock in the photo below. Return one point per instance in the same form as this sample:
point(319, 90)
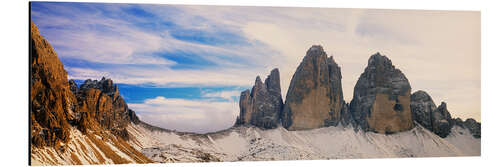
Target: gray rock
point(381, 101)
point(436, 119)
point(314, 98)
point(474, 127)
point(422, 107)
point(441, 121)
point(262, 106)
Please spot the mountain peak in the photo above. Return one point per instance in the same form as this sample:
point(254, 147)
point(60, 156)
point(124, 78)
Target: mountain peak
point(381, 100)
point(262, 106)
point(314, 98)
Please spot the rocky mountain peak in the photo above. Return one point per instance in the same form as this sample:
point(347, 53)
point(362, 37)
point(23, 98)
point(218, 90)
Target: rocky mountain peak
point(101, 99)
point(314, 98)
point(273, 81)
point(262, 106)
point(105, 85)
point(421, 96)
point(381, 100)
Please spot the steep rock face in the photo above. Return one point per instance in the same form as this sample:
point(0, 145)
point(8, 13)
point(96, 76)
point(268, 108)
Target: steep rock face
point(52, 102)
point(101, 101)
point(422, 107)
point(381, 101)
point(263, 105)
point(441, 121)
point(314, 98)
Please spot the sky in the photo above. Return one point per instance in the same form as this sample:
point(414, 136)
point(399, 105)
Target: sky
point(183, 67)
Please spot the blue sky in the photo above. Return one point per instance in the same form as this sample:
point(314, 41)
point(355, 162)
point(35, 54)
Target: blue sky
point(183, 67)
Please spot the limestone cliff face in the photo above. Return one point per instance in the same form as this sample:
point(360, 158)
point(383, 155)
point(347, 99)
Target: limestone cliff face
point(314, 98)
point(52, 102)
point(263, 105)
point(381, 101)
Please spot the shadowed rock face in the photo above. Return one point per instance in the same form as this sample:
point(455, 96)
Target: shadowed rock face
point(263, 105)
point(422, 107)
point(314, 98)
point(438, 120)
point(441, 121)
point(381, 101)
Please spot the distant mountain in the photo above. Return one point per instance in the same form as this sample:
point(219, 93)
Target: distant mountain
point(92, 124)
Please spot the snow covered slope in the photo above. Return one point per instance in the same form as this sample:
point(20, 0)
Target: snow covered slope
point(250, 143)
point(88, 149)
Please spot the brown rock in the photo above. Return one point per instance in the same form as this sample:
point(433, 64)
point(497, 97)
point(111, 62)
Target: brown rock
point(52, 102)
point(101, 100)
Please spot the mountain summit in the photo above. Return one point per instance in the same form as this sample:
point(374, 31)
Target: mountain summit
point(314, 98)
point(381, 100)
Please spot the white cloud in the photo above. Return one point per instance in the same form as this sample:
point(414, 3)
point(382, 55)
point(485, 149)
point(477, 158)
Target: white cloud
point(187, 115)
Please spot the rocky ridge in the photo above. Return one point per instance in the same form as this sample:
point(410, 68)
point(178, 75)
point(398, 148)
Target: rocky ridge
point(438, 119)
point(101, 99)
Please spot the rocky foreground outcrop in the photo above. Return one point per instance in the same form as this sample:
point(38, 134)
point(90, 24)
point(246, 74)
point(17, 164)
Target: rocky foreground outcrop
point(52, 102)
point(438, 119)
point(262, 106)
point(71, 125)
point(381, 101)
point(314, 98)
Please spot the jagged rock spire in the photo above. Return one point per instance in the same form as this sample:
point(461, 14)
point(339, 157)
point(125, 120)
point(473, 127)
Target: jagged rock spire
point(262, 106)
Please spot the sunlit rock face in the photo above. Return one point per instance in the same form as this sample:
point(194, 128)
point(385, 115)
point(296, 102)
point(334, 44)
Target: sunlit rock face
point(52, 102)
point(100, 100)
point(314, 98)
point(381, 101)
point(262, 106)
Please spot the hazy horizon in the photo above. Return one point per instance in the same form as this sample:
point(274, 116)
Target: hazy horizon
point(183, 67)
